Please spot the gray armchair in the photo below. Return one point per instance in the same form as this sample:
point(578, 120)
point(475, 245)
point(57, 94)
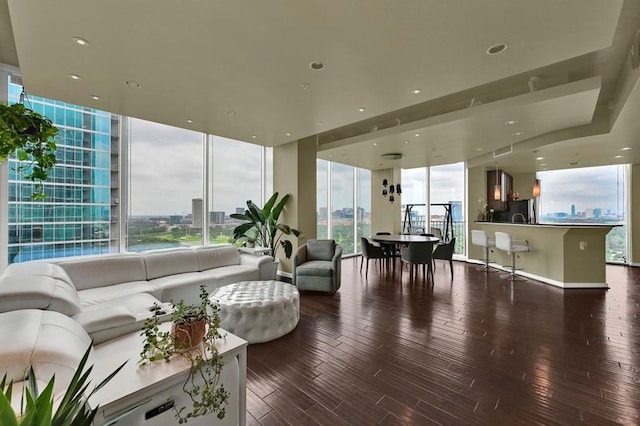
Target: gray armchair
point(317, 266)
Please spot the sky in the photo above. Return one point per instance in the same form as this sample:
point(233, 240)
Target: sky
point(166, 174)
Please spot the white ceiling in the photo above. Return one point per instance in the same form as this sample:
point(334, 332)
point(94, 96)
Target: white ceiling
point(240, 69)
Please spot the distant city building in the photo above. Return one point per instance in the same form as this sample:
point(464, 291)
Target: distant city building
point(456, 211)
point(217, 217)
point(175, 219)
point(322, 212)
point(80, 212)
point(588, 213)
point(240, 210)
point(597, 213)
point(573, 209)
point(197, 219)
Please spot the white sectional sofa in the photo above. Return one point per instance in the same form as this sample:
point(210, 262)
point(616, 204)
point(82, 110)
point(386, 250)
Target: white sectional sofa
point(110, 295)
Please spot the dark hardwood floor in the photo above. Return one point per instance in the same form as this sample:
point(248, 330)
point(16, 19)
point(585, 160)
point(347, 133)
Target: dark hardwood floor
point(477, 350)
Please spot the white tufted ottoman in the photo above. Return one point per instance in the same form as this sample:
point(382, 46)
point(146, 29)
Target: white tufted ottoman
point(258, 311)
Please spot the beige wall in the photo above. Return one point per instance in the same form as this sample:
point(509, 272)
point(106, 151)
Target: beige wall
point(385, 216)
point(294, 172)
point(523, 184)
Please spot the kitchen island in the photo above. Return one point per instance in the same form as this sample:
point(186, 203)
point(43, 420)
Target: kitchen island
point(563, 255)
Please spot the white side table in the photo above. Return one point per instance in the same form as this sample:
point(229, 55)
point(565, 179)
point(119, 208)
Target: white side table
point(142, 395)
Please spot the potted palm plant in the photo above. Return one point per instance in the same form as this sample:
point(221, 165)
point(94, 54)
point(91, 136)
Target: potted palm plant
point(262, 228)
point(29, 136)
point(39, 407)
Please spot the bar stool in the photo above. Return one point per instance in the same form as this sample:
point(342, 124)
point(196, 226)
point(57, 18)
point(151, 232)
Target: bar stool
point(512, 247)
point(480, 238)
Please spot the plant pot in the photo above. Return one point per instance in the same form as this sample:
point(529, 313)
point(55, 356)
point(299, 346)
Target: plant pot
point(187, 335)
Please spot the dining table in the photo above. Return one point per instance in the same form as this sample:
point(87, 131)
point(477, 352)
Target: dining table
point(402, 239)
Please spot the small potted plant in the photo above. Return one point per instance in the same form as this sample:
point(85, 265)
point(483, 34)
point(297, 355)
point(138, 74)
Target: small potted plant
point(29, 136)
point(193, 335)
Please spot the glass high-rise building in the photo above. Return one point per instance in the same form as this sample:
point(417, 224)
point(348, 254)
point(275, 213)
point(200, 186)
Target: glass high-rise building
point(80, 212)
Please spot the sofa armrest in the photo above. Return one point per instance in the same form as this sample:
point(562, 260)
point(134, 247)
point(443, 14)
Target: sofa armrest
point(256, 260)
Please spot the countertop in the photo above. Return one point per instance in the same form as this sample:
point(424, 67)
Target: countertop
point(552, 225)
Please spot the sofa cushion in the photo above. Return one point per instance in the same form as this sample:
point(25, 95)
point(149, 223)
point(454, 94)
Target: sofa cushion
point(231, 274)
point(317, 268)
point(105, 270)
point(210, 257)
point(320, 249)
point(97, 295)
point(38, 292)
point(50, 342)
point(161, 263)
point(38, 268)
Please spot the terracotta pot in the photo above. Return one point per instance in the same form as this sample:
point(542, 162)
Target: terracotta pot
point(188, 335)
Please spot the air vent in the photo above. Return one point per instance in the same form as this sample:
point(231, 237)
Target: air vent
point(502, 151)
point(392, 156)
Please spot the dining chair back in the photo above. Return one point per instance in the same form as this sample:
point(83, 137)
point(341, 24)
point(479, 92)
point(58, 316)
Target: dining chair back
point(444, 251)
point(418, 253)
point(371, 251)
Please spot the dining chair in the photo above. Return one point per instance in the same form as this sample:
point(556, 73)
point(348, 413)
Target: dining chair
point(391, 250)
point(444, 251)
point(371, 251)
point(415, 254)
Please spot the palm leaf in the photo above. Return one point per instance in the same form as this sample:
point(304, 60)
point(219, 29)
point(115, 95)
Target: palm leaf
point(269, 204)
point(7, 415)
point(278, 208)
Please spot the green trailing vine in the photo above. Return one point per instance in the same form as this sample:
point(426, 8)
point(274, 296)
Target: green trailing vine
point(202, 385)
point(29, 136)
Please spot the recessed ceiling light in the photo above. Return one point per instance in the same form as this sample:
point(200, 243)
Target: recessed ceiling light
point(539, 158)
point(231, 113)
point(316, 65)
point(288, 134)
point(416, 91)
point(417, 135)
point(542, 164)
point(375, 144)
point(74, 76)
point(619, 156)
point(132, 83)
point(189, 120)
point(496, 48)
point(574, 163)
point(361, 109)
point(253, 136)
point(95, 97)
point(479, 149)
point(305, 86)
point(626, 148)
point(81, 41)
point(406, 142)
point(510, 122)
point(517, 133)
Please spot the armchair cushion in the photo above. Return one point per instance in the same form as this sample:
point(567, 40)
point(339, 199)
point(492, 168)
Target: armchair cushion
point(320, 249)
point(319, 268)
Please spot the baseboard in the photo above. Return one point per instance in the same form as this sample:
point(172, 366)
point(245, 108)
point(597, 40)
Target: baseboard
point(555, 283)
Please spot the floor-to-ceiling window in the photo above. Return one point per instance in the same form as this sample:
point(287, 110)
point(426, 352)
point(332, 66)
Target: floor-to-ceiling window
point(236, 177)
point(414, 200)
point(363, 206)
point(165, 186)
point(76, 217)
point(446, 191)
point(322, 198)
point(436, 193)
point(342, 197)
point(589, 195)
point(344, 204)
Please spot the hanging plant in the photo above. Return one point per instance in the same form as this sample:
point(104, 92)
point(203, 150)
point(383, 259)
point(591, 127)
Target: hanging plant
point(29, 136)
